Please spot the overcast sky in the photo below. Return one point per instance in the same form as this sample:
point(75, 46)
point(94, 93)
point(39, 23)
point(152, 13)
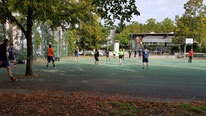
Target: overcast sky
point(159, 9)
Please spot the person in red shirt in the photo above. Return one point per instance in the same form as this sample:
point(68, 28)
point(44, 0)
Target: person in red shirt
point(190, 55)
point(50, 56)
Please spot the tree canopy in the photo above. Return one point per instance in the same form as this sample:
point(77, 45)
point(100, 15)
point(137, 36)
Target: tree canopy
point(193, 22)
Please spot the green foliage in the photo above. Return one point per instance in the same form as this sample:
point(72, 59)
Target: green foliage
point(191, 108)
point(120, 27)
point(150, 25)
point(123, 38)
point(91, 34)
point(122, 10)
point(111, 48)
point(166, 26)
point(71, 39)
point(193, 22)
point(126, 109)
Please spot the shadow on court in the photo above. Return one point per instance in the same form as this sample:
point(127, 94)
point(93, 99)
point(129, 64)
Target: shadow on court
point(164, 78)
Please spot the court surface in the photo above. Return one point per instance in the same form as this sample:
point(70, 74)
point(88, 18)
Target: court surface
point(164, 78)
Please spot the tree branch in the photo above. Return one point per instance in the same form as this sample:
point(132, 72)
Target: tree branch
point(12, 18)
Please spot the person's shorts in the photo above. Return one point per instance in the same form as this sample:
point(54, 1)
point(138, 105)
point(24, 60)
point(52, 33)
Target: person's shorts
point(145, 60)
point(50, 58)
point(140, 54)
point(76, 55)
point(120, 56)
point(96, 58)
point(12, 57)
point(107, 55)
point(4, 64)
point(113, 54)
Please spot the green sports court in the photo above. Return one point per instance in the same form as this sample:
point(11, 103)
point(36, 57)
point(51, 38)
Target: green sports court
point(164, 78)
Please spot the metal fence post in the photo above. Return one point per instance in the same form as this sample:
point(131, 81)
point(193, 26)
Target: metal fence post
point(4, 31)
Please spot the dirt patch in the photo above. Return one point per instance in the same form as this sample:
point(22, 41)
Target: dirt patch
point(88, 104)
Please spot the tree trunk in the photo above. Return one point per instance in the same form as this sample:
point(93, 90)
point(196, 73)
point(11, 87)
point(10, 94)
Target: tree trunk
point(28, 34)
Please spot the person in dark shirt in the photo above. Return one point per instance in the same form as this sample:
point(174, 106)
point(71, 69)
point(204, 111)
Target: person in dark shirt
point(96, 57)
point(12, 57)
point(145, 55)
point(4, 62)
point(76, 59)
point(107, 55)
point(130, 53)
point(135, 53)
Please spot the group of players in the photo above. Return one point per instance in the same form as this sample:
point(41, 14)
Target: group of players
point(7, 56)
point(143, 54)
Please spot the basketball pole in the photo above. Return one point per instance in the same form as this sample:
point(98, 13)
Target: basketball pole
point(185, 48)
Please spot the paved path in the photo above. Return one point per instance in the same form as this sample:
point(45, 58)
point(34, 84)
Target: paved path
point(165, 78)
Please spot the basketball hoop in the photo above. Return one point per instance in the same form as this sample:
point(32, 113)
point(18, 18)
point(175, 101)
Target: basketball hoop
point(189, 41)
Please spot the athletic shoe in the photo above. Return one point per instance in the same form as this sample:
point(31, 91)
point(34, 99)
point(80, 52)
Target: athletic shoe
point(147, 67)
point(142, 67)
point(13, 79)
point(55, 67)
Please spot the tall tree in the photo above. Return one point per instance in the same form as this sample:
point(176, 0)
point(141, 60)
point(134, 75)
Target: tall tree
point(150, 25)
point(91, 34)
point(166, 26)
point(192, 23)
point(123, 37)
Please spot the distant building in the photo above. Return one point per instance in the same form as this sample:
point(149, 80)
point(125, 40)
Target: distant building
point(152, 40)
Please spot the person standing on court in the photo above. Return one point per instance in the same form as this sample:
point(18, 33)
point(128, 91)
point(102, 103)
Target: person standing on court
point(114, 54)
point(4, 62)
point(135, 53)
point(130, 53)
point(50, 56)
point(76, 59)
point(96, 57)
point(121, 53)
point(140, 53)
point(107, 55)
point(190, 55)
point(145, 56)
point(12, 57)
